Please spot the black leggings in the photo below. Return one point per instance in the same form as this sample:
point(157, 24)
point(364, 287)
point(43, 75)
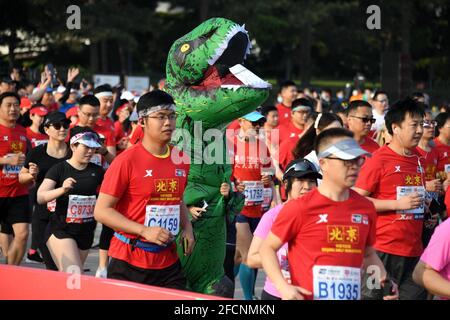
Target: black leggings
point(105, 237)
point(39, 223)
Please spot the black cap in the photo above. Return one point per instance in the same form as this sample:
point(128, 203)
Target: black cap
point(301, 168)
point(51, 118)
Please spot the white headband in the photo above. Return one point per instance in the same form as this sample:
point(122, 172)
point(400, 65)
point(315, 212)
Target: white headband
point(103, 94)
point(148, 111)
point(316, 123)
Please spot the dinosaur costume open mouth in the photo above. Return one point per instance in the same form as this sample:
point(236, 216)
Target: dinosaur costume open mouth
point(226, 68)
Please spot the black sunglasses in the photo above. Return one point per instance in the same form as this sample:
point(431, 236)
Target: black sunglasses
point(258, 123)
point(58, 126)
point(365, 120)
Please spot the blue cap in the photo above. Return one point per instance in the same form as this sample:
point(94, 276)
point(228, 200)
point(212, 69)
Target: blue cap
point(253, 116)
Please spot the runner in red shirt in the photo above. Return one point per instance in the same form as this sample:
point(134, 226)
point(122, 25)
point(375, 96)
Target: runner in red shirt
point(330, 231)
point(141, 199)
point(291, 132)
point(360, 120)
point(251, 168)
point(14, 204)
point(36, 137)
point(393, 180)
point(88, 113)
point(288, 94)
point(442, 142)
point(429, 158)
point(122, 127)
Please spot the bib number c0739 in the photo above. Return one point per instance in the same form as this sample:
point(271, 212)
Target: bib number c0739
point(336, 283)
point(167, 217)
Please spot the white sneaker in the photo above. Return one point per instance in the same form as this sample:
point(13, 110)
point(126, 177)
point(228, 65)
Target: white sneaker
point(101, 273)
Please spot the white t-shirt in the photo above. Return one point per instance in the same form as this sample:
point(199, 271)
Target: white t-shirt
point(379, 120)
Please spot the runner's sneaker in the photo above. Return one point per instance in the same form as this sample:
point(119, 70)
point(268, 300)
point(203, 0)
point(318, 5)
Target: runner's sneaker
point(101, 273)
point(34, 257)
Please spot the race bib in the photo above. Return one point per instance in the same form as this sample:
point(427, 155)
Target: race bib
point(253, 193)
point(167, 217)
point(336, 283)
point(9, 169)
point(80, 209)
point(405, 191)
point(267, 199)
point(96, 159)
point(39, 142)
point(51, 206)
point(14, 170)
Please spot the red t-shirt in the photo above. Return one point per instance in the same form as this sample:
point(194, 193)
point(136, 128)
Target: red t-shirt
point(323, 234)
point(120, 133)
point(444, 155)
point(137, 135)
point(105, 127)
point(370, 145)
point(12, 140)
point(144, 184)
point(386, 175)
point(250, 158)
point(289, 131)
point(284, 114)
point(234, 125)
point(285, 154)
point(36, 138)
point(429, 161)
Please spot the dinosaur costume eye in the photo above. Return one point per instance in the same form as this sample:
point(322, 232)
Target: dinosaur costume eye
point(185, 47)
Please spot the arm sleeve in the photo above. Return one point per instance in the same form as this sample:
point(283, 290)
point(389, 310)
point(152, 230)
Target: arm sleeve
point(370, 175)
point(55, 173)
point(287, 224)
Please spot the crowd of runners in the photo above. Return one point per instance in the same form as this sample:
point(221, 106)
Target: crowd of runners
point(345, 196)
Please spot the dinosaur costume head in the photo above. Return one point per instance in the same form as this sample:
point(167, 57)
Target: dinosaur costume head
point(206, 77)
point(210, 86)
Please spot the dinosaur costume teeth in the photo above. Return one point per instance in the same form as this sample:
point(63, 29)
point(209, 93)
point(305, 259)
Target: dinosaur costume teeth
point(211, 87)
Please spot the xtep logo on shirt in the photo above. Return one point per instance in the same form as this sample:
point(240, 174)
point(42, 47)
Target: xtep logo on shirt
point(5, 138)
point(397, 169)
point(445, 154)
point(323, 218)
point(148, 173)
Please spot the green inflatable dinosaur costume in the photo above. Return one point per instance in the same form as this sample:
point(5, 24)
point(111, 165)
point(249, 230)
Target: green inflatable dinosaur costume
point(211, 88)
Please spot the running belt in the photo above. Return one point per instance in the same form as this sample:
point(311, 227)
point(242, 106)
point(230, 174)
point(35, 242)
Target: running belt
point(146, 246)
